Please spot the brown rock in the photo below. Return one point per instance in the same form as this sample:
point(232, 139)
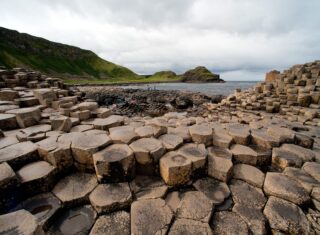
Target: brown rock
point(249, 174)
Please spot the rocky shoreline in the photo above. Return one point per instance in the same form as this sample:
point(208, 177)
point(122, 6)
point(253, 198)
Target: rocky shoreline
point(249, 164)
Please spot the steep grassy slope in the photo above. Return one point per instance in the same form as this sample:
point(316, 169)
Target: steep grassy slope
point(23, 50)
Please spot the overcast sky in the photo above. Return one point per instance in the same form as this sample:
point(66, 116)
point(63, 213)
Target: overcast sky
point(240, 39)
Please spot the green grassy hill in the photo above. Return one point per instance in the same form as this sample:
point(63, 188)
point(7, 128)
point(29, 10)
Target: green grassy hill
point(56, 59)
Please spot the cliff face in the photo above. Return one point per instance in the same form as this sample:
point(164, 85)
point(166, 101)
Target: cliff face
point(200, 74)
point(27, 51)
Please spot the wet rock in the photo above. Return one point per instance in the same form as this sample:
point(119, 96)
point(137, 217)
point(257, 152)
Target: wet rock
point(249, 174)
point(148, 187)
point(20, 222)
point(74, 221)
point(247, 195)
point(302, 177)
point(123, 134)
point(19, 154)
point(26, 116)
point(253, 217)
point(143, 213)
point(171, 141)
point(219, 163)
point(244, 154)
point(282, 159)
point(189, 227)
point(8, 121)
point(75, 189)
point(286, 216)
point(61, 123)
point(228, 223)
point(117, 223)
point(280, 185)
point(106, 198)
point(175, 169)
point(114, 163)
point(201, 134)
point(215, 190)
point(313, 169)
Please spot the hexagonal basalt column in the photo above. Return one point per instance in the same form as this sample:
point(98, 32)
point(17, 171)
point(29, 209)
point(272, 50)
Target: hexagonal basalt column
point(8, 121)
point(147, 152)
point(171, 141)
point(106, 123)
point(201, 134)
point(27, 116)
point(123, 134)
point(114, 163)
point(244, 154)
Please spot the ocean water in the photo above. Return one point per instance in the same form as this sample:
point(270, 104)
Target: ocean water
point(226, 88)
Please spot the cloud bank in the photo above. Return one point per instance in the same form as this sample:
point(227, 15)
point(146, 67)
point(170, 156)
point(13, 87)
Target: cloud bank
point(241, 40)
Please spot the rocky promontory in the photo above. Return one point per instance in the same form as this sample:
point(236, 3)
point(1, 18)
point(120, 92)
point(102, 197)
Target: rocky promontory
point(247, 165)
point(200, 74)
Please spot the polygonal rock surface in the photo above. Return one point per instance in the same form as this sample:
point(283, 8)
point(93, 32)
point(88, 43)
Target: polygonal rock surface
point(8, 95)
point(81, 128)
point(45, 96)
point(106, 198)
point(219, 167)
point(263, 140)
point(19, 154)
point(123, 134)
point(75, 189)
point(244, 154)
point(313, 169)
point(306, 155)
point(280, 185)
point(213, 189)
point(20, 222)
point(201, 134)
point(182, 131)
point(61, 123)
point(282, 158)
point(103, 112)
point(27, 116)
point(148, 187)
point(228, 223)
point(197, 153)
point(284, 135)
point(7, 175)
point(189, 227)
point(8, 121)
point(7, 141)
point(253, 217)
point(74, 221)
point(171, 141)
point(250, 174)
point(286, 216)
point(307, 182)
point(117, 223)
point(88, 105)
point(221, 138)
point(114, 163)
point(33, 133)
point(175, 169)
point(143, 214)
point(145, 131)
point(245, 194)
point(106, 123)
point(240, 133)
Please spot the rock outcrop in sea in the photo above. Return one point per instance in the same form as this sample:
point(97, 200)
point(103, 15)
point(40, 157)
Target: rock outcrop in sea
point(248, 165)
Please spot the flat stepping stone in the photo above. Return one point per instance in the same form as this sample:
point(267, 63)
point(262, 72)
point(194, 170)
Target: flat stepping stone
point(197, 153)
point(286, 217)
point(175, 168)
point(61, 123)
point(5, 108)
point(253, 217)
point(45, 96)
point(307, 182)
point(117, 223)
point(81, 128)
point(249, 174)
point(262, 139)
point(283, 135)
point(8, 121)
point(173, 200)
point(221, 138)
point(220, 167)
point(282, 158)
point(103, 112)
point(26, 116)
point(171, 141)
point(123, 134)
point(7, 141)
point(145, 131)
point(182, 131)
point(80, 116)
point(106, 123)
point(148, 187)
point(19, 154)
point(37, 177)
point(114, 163)
point(75, 189)
point(74, 221)
point(147, 152)
point(88, 105)
point(280, 185)
point(245, 194)
point(43, 207)
point(244, 154)
point(213, 189)
point(228, 223)
point(264, 155)
point(143, 213)
point(304, 141)
point(189, 227)
point(306, 155)
point(313, 169)
point(85, 146)
point(106, 198)
point(20, 222)
point(201, 134)
point(240, 133)
point(33, 133)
